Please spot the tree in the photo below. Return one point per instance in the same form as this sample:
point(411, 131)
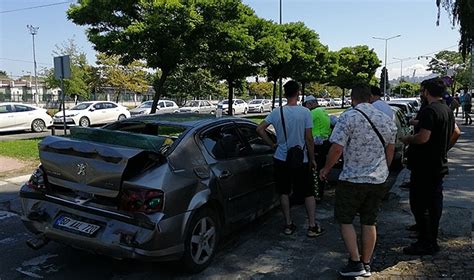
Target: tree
point(356, 65)
point(275, 52)
point(407, 89)
point(310, 60)
point(130, 77)
point(384, 81)
point(461, 12)
point(75, 85)
point(164, 33)
point(4, 75)
point(193, 83)
point(449, 63)
point(230, 45)
point(261, 89)
point(323, 90)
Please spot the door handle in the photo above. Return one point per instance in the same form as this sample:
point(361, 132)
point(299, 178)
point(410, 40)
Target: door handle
point(225, 174)
point(266, 164)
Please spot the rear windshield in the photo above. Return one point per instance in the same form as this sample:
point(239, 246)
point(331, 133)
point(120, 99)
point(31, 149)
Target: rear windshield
point(142, 135)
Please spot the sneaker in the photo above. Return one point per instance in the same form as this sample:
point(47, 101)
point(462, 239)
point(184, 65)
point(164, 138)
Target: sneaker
point(353, 269)
point(289, 229)
point(418, 249)
point(367, 270)
point(315, 231)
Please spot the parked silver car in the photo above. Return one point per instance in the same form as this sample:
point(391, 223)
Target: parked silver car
point(152, 187)
point(260, 105)
point(198, 106)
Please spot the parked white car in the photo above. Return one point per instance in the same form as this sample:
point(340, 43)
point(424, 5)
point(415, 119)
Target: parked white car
point(198, 106)
point(337, 101)
point(17, 116)
point(284, 101)
point(92, 113)
point(260, 105)
point(238, 106)
point(322, 102)
point(163, 107)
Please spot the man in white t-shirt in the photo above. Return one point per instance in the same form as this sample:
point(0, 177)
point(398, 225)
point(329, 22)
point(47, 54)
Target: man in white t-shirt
point(379, 103)
point(298, 124)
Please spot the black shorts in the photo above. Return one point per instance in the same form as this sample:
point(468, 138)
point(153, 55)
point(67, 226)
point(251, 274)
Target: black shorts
point(287, 179)
point(364, 199)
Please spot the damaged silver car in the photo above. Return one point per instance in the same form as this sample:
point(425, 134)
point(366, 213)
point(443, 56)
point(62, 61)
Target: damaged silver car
point(158, 187)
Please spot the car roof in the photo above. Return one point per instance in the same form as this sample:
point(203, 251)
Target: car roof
point(186, 120)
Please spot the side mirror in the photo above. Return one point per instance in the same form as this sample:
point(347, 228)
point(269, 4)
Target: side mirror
point(92, 109)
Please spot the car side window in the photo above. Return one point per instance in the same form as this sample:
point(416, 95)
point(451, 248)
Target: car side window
point(22, 108)
point(110, 105)
point(98, 106)
point(169, 104)
point(224, 142)
point(161, 105)
point(6, 109)
point(257, 145)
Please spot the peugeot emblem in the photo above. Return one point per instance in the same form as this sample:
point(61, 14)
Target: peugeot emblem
point(81, 169)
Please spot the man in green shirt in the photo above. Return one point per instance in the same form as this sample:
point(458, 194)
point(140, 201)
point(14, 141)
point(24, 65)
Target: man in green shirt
point(321, 132)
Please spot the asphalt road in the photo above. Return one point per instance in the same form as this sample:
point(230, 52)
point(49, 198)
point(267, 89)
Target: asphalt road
point(255, 250)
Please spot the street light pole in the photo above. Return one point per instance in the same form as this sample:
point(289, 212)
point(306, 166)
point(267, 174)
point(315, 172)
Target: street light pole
point(386, 46)
point(33, 31)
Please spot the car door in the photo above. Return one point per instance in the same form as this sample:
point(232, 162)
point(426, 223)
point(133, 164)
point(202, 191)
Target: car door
point(99, 114)
point(261, 156)
point(232, 169)
point(24, 115)
point(161, 108)
point(171, 107)
point(112, 111)
point(7, 117)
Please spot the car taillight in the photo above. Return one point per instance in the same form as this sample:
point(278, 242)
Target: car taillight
point(37, 180)
point(141, 200)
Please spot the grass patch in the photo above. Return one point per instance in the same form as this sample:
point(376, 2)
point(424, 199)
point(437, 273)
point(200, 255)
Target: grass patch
point(21, 149)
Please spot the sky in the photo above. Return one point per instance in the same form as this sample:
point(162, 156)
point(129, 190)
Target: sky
point(339, 23)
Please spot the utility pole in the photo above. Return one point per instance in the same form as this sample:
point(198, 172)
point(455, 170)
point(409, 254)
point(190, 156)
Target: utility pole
point(386, 45)
point(33, 31)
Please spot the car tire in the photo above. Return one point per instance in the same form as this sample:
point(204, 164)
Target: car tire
point(121, 117)
point(213, 112)
point(201, 240)
point(245, 111)
point(261, 110)
point(38, 125)
point(196, 112)
point(84, 122)
point(233, 112)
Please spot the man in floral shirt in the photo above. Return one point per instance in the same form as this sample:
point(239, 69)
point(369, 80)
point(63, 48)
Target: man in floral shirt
point(367, 157)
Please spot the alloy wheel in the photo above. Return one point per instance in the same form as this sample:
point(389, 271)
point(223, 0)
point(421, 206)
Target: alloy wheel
point(203, 240)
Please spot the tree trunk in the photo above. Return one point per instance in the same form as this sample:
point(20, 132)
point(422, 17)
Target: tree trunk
point(274, 93)
point(343, 94)
point(118, 97)
point(158, 87)
point(231, 97)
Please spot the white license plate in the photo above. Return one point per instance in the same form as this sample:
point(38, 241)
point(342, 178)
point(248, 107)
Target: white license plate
point(75, 225)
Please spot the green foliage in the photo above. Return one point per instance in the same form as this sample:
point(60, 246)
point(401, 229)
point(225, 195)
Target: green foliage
point(407, 89)
point(4, 75)
point(261, 89)
point(451, 63)
point(130, 77)
point(323, 90)
point(191, 83)
point(164, 33)
point(76, 85)
point(461, 12)
point(310, 60)
point(356, 65)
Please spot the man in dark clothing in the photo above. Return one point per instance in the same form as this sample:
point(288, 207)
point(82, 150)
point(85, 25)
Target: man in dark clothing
point(428, 164)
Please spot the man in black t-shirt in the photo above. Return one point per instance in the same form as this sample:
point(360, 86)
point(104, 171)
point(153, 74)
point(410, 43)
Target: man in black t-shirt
point(428, 164)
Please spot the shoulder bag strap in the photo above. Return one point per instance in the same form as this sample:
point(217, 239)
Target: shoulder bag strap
point(373, 127)
point(283, 124)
